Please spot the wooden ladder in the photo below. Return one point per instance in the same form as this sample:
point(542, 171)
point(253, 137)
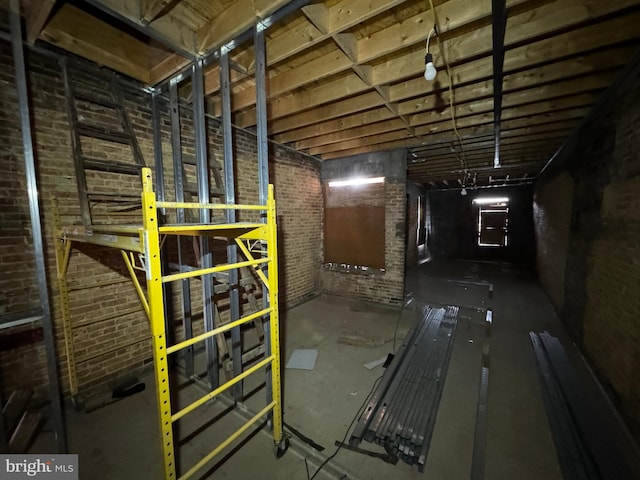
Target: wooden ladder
point(85, 128)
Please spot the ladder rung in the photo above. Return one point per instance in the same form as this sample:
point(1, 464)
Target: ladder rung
point(190, 188)
point(15, 407)
point(113, 198)
point(112, 167)
point(24, 432)
point(103, 134)
point(97, 101)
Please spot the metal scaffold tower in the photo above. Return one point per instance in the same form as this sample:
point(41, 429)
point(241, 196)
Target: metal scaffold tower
point(160, 243)
point(146, 240)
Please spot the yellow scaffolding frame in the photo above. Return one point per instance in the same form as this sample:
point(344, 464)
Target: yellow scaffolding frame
point(147, 240)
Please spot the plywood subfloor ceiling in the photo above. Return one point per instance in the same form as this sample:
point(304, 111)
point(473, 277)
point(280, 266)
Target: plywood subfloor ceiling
point(346, 77)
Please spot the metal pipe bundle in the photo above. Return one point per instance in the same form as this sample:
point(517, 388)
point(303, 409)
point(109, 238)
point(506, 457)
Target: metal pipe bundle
point(401, 413)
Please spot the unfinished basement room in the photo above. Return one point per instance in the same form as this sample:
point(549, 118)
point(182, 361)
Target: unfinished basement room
point(320, 239)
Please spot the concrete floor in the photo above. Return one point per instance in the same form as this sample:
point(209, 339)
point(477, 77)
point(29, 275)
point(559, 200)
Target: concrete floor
point(121, 440)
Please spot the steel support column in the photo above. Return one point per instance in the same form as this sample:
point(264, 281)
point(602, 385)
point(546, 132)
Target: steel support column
point(178, 180)
point(202, 167)
point(499, 14)
point(230, 198)
point(157, 146)
point(263, 160)
point(36, 228)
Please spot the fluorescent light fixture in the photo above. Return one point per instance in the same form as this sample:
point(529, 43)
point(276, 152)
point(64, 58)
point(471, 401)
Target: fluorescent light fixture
point(490, 200)
point(355, 181)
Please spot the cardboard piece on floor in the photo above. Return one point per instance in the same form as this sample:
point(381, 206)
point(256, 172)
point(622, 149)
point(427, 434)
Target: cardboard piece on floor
point(303, 359)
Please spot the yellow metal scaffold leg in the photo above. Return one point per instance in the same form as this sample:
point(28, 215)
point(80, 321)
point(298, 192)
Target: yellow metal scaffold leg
point(156, 319)
point(63, 251)
point(272, 253)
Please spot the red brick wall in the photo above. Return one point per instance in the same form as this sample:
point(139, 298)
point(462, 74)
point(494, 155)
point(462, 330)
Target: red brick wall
point(110, 329)
point(602, 275)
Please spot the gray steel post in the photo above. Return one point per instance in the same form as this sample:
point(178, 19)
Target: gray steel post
point(230, 198)
point(263, 161)
point(160, 195)
point(178, 181)
point(157, 146)
point(36, 228)
point(202, 167)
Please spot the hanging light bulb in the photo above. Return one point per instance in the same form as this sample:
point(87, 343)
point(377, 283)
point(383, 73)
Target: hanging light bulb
point(430, 71)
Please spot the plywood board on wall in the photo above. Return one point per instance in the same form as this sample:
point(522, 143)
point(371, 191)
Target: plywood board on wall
point(355, 236)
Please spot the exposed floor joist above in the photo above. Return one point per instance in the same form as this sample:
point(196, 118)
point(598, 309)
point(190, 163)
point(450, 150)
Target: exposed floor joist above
point(345, 77)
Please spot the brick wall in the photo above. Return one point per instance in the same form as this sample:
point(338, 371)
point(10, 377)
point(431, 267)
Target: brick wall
point(602, 273)
point(376, 286)
point(110, 329)
point(552, 217)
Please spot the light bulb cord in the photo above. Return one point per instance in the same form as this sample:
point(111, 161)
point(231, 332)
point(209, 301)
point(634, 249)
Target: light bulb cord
point(463, 159)
point(431, 34)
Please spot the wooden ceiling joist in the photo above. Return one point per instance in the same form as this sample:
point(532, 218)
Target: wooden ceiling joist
point(345, 77)
point(36, 18)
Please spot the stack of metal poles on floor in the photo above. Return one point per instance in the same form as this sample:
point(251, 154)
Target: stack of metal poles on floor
point(402, 411)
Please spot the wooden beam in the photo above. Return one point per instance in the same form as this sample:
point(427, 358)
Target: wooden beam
point(467, 46)
point(153, 9)
point(486, 106)
point(328, 93)
point(167, 67)
point(36, 17)
point(542, 64)
point(388, 136)
point(475, 138)
point(332, 110)
point(351, 133)
point(477, 124)
point(454, 15)
point(338, 124)
point(550, 49)
point(167, 30)
point(78, 32)
point(516, 136)
point(235, 19)
point(352, 126)
point(318, 15)
point(349, 13)
point(520, 31)
point(371, 47)
point(569, 71)
point(514, 158)
point(312, 71)
point(595, 82)
point(531, 166)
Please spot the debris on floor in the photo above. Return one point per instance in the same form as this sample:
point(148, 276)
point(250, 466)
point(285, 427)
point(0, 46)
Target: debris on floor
point(375, 363)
